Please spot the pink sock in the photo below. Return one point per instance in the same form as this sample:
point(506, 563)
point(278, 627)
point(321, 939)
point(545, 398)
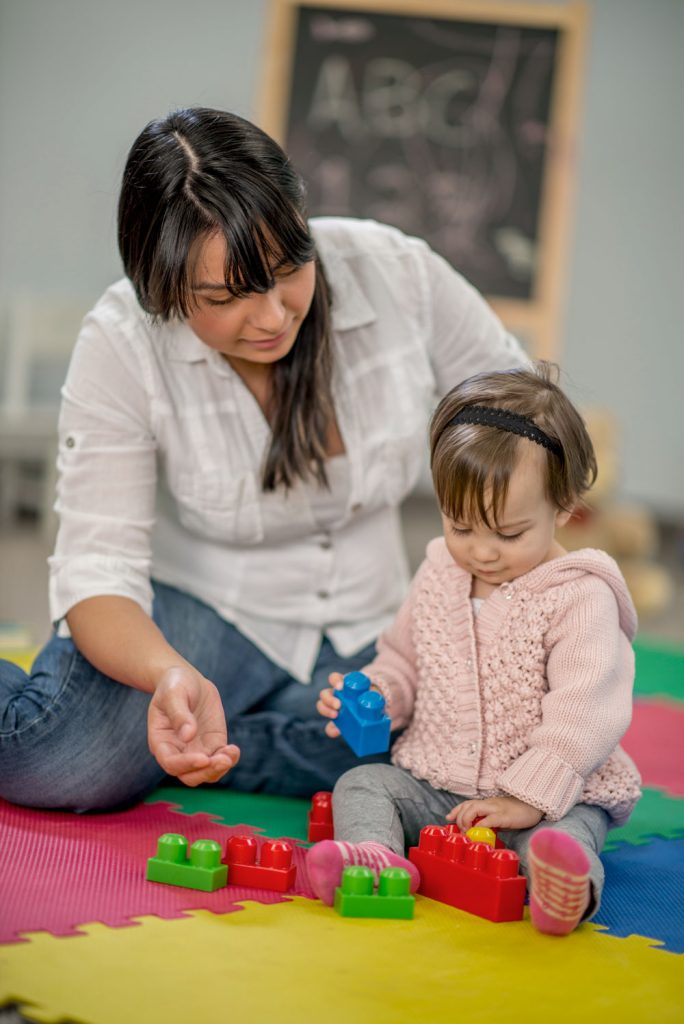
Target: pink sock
point(326, 861)
point(559, 882)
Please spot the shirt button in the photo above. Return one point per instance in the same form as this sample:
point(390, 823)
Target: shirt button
point(323, 594)
point(70, 442)
point(356, 507)
point(326, 543)
point(471, 749)
point(469, 663)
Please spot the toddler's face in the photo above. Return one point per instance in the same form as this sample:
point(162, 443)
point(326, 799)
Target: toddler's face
point(524, 535)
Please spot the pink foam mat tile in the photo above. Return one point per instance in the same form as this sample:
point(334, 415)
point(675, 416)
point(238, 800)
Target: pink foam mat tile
point(60, 870)
point(655, 741)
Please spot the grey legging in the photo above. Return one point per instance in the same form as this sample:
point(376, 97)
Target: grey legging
point(387, 804)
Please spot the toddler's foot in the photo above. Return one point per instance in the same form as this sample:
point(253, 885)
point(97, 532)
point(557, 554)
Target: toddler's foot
point(559, 882)
point(326, 861)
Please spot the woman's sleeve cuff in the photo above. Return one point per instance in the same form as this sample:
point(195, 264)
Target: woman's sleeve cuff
point(79, 578)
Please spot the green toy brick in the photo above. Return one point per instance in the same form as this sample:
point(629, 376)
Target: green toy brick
point(201, 870)
point(355, 896)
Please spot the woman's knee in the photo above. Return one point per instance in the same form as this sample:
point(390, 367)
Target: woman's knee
point(72, 739)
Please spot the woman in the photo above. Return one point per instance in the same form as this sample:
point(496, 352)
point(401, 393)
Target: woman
point(242, 417)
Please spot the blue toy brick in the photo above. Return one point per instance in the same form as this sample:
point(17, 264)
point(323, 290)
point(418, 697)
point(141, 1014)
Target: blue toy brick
point(361, 719)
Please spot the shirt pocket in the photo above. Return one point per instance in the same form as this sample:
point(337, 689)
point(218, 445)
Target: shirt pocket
point(405, 446)
point(226, 510)
point(402, 459)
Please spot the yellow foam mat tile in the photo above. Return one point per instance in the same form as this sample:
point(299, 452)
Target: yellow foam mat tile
point(23, 657)
point(283, 962)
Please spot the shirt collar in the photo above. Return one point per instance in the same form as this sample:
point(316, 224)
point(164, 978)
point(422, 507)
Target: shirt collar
point(350, 306)
point(183, 346)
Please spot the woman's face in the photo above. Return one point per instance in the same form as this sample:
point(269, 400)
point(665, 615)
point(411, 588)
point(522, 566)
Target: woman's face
point(258, 328)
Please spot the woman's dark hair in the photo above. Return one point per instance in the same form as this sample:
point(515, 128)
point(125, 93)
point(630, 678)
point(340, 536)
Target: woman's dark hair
point(198, 172)
point(472, 462)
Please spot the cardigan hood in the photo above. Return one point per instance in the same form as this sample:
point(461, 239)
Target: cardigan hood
point(556, 573)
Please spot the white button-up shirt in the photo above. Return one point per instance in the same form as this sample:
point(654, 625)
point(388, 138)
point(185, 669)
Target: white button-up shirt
point(162, 444)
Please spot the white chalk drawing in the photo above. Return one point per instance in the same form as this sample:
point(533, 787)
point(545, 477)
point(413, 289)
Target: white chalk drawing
point(436, 128)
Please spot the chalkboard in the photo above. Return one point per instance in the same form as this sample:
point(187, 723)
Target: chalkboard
point(443, 119)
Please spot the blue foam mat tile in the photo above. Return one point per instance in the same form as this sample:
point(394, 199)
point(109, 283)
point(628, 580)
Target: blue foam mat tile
point(644, 893)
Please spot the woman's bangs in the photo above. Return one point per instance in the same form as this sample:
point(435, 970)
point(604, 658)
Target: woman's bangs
point(259, 246)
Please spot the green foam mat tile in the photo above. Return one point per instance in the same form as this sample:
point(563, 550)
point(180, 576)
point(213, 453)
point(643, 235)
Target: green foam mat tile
point(659, 668)
point(655, 815)
point(275, 816)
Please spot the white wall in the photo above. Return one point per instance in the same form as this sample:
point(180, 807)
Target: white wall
point(79, 79)
point(624, 339)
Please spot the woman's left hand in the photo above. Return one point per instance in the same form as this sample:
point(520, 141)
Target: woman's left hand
point(495, 812)
point(187, 727)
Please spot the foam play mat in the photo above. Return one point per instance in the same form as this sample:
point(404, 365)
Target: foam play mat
point(84, 938)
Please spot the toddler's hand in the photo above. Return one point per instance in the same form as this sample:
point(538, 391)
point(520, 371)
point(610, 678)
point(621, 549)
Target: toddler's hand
point(495, 812)
point(328, 704)
point(186, 728)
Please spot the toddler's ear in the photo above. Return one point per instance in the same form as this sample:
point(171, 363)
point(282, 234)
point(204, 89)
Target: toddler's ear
point(562, 516)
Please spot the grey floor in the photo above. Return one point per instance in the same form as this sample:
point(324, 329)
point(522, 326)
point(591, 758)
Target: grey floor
point(10, 1016)
point(24, 551)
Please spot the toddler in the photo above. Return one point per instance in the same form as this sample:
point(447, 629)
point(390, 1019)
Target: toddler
point(508, 668)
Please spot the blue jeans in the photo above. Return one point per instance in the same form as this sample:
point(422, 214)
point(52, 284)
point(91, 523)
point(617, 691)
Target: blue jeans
point(73, 739)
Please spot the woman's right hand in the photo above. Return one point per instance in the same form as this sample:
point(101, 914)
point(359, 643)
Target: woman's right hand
point(186, 728)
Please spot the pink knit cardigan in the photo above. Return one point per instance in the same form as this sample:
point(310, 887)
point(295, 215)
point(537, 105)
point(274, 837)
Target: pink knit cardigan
point(530, 697)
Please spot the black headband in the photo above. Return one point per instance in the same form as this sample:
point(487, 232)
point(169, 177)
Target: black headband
point(502, 419)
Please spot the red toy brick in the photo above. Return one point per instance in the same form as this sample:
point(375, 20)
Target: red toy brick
point(469, 876)
point(321, 818)
point(275, 870)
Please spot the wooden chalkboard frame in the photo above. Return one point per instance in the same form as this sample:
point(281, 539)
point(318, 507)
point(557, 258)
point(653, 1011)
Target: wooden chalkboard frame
point(536, 320)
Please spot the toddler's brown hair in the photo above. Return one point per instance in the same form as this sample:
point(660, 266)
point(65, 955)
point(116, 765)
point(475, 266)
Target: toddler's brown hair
point(472, 462)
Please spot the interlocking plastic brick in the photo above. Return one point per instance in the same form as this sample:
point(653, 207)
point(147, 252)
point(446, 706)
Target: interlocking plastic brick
point(274, 871)
point(320, 818)
point(478, 834)
point(201, 870)
point(469, 876)
point(356, 897)
point(498, 844)
point(361, 719)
